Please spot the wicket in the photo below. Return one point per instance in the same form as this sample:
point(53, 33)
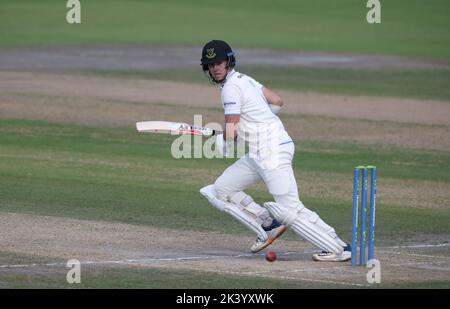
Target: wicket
point(373, 195)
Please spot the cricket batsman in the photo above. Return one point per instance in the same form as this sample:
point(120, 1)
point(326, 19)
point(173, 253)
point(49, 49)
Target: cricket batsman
point(251, 116)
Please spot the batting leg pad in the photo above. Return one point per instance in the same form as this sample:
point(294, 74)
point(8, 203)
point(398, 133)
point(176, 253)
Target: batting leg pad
point(308, 225)
point(237, 211)
point(261, 215)
point(210, 194)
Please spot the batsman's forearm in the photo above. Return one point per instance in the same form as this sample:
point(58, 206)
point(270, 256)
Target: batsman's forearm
point(230, 132)
point(272, 97)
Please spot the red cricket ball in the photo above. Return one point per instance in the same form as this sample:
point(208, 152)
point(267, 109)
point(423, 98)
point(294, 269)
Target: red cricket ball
point(271, 256)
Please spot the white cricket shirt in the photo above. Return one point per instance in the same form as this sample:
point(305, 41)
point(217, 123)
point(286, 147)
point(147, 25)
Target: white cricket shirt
point(258, 125)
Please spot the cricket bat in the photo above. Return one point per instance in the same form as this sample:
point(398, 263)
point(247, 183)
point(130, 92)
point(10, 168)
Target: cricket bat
point(174, 128)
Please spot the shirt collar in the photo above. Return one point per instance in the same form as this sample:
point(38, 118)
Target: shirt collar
point(229, 74)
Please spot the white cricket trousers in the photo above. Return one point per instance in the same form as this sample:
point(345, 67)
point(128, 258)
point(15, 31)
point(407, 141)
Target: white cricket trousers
point(280, 181)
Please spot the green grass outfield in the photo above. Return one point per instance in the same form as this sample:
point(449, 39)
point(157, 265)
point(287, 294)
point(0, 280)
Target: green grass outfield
point(118, 175)
point(408, 27)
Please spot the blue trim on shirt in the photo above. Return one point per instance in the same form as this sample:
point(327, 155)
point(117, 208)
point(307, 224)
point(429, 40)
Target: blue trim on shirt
point(232, 114)
point(286, 143)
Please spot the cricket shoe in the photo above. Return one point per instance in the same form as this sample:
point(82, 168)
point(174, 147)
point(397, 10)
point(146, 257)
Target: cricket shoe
point(274, 231)
point(325, 256)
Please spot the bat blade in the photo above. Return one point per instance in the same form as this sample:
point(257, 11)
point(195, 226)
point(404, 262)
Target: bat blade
point(174, 128)
point(155, 126)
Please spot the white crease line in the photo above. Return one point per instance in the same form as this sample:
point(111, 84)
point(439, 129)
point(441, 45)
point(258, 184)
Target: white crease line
point(221, 271)
point(307, 251)
point(255, 273)
point(417, 254)
point(30, 265)
point(418, 246)
point(416, 263)
point(126, 261)
point(188, 258)
point(431, 267)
